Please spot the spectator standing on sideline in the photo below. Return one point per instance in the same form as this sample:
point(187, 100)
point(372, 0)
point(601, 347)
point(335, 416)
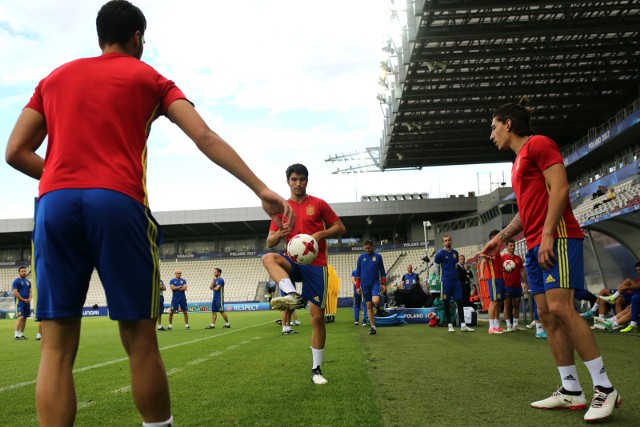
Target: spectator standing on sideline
point(314, 217)
point(179, 287)
point(513, 281)
point(464, 276)
point(23, 294)
point(554, 259)
point(445, 263)
point(93, 211)
point(357, 303)
point(370, 274)
point(217, 305)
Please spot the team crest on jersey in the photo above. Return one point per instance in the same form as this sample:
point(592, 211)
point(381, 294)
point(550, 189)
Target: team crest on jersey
point(455, 256)
point(498, 296)
point(310, 210)
point(373, 258)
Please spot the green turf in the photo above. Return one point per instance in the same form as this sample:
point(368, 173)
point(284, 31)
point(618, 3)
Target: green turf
point(409, 375)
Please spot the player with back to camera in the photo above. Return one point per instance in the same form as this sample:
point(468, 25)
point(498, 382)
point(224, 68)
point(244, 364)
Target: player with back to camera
point(93, 211)
point(491, 269)
point(314, 216)
point(161, 290)
point(554, 262)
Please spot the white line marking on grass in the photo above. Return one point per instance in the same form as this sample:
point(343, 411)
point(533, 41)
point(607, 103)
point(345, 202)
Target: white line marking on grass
point(18, 385)
point(196, 361)
point(173, 371)
point(122, 359)
point(125, 389)
point(216, 354)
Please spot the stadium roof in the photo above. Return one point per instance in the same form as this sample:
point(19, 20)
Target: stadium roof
point(578, 61)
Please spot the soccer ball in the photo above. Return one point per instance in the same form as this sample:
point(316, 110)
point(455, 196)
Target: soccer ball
point(509, 265)
point(302, 249)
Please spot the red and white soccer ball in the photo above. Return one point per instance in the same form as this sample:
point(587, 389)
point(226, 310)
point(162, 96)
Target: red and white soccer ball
point(509, 265)
point(302, 249)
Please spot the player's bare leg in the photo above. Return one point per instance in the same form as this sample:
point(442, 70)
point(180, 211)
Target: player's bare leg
point(149, 384)
point(55, 389)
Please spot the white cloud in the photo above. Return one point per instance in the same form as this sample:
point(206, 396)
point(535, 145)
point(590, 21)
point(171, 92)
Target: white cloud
point(282, 81)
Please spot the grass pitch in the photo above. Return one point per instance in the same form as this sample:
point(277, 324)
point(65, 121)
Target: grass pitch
point(409, 375)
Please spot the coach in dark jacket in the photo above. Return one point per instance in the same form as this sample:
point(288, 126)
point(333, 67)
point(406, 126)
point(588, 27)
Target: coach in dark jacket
point(465, 274)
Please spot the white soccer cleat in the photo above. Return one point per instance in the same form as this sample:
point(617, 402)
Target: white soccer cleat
point(609, 299)
point(559, 400)
point(316, 376)
point(602, 405)
point(451, 329)
point(467, 329)
point(291, 301)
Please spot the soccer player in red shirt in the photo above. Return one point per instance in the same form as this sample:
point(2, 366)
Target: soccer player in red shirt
point(554, 260)
point(314, 216)
point(92, 209)
point(513, 287)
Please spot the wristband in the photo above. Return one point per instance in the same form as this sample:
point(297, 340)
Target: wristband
point(383, 280)
point(357, 283)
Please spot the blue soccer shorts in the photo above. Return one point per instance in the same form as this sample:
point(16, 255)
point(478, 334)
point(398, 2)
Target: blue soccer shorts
point(512, 291)
point(370, 291)
point(179, 303)
point(23, 309)
point(217, 306)
point(496, 289)
point(451, 289)
point(566, 273)
point(314, 278)
point(77, 230)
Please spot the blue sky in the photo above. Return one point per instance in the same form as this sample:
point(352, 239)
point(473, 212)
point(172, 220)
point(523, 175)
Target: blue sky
point(283, 81)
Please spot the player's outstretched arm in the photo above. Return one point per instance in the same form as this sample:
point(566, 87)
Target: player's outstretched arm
point(26, 137)
point(492, 248)
point(182, 113)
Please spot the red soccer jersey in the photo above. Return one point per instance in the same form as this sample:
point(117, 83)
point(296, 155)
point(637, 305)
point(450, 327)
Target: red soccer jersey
point(493, 269)
point(99, 113)
point(531, 191)
point(513, 279)
point(312, 215)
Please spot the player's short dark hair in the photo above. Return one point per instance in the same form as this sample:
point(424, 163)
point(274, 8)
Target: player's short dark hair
point(218, 270)
point(367, 242)
point(21, 267)
point(117, 22)
point(519, 114)
point(511, 241)
point(493, 233)
point(298, 168)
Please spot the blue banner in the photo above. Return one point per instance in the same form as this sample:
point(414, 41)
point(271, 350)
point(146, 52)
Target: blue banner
point(413, 315)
